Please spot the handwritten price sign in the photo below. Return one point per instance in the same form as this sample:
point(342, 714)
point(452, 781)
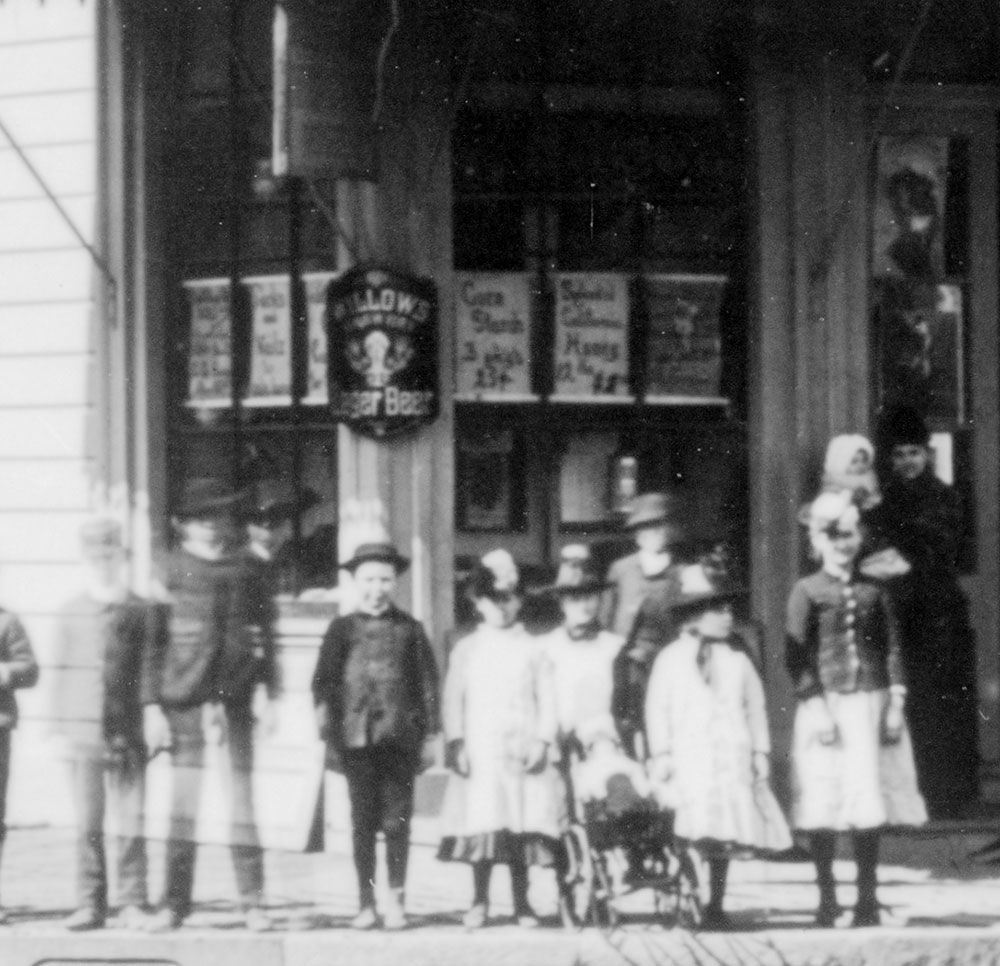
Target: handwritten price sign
point(210, 355)
point(591, 345)
point(493, 336)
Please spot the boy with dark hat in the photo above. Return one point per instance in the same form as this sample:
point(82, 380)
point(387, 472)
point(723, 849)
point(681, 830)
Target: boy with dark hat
point(106, 638)
point(376, 693)
point(217, 670)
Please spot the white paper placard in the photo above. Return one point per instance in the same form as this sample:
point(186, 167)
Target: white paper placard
point(493, 336)
point(210, 354)
point(316, 285)
point(270, 341)
point(591, 340)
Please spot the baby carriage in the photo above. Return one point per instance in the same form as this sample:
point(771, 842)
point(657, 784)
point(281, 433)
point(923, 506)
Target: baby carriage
point(620, 841)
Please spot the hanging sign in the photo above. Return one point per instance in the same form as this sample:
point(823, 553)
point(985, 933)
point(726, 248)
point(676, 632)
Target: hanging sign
point(493, 337)
point(270, 341)
point(591, 339)
point(684, 350)
point(210, 355)
point(382, 328)
point(316, 285)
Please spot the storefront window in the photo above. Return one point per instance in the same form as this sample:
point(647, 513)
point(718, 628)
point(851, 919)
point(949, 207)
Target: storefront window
point(599, 322)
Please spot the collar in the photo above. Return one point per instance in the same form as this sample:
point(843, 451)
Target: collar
point(587, 632)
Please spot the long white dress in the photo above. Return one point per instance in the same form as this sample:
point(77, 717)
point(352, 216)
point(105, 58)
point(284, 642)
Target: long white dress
point(710, 721)
point(499, 700)
point(583, 676)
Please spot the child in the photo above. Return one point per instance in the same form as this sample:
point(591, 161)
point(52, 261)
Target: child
point(852, 766)
point(850, 465)
point(607, 776)
point(106, 639)
point(18, 669)
point(708, 735)
point(376, 697)
point(507, 805)
point(582, 655)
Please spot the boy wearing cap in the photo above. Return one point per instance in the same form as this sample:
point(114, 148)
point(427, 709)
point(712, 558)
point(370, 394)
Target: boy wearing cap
point(105, 640)
point(18, 669)
point(217, 670)
point(376, 694)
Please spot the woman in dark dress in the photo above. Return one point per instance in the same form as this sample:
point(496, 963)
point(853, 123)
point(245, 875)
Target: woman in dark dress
point(922, 517)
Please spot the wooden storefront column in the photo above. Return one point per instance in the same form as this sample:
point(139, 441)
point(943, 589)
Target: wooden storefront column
point(809, 347)
point(404, 220)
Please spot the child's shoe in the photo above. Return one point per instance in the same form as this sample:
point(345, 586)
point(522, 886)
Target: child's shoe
point(366, 919)
point(476, 917)
point(394, 917)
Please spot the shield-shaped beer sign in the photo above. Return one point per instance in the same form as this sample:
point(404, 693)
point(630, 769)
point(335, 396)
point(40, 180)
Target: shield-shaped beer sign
point(383, 350)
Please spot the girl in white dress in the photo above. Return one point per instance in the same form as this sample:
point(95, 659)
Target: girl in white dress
point(507, 803)
point(852, 763)
point(708, 736)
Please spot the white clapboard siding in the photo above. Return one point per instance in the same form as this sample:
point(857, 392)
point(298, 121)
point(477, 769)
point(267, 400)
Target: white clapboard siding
point(66, 172)
point(50, 276)
point(22, 71)
point(34, 224)
point(52, 328)
point(48, 102)
point(51, 118)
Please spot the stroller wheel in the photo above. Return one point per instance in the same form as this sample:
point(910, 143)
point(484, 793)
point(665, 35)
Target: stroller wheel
point(689, 906)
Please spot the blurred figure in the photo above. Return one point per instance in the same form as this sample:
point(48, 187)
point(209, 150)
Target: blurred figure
point(376, 693)
point(106, 639)
point(217, 673)
point(18, 669)
point(921, 516)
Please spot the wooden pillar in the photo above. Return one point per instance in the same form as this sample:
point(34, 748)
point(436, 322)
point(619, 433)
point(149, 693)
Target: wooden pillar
point(809, 349)
point(404, 219)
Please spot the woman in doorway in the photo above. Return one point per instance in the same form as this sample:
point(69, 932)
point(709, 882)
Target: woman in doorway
point(921, 517)
point(500, 723)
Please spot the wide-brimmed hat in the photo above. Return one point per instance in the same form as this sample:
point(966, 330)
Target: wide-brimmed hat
point(495, 575)
point(382, 551)
point(703, 584)
point(652, 509)
point(578, 573)
point(274, 499)
point(207, 497)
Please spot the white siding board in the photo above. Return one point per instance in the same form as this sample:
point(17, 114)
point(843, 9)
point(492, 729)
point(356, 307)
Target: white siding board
point(67, 169)
point(31, 68)
point(46, 329)
point(55, 432)
point(58, 485)
point(44, 276)
point(51, 118)
point(35, 225)
point(39, 381)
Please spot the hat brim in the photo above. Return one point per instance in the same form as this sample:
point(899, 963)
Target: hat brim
point(399, 562)
point(578, 590)
point(217, 504)
point(657, 521)
point(699, 601)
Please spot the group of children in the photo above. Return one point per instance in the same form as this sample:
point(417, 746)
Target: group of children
point(677, 707)
point(643, 697)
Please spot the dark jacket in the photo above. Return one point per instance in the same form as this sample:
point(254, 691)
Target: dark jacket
point(18, 667)
point(378, 678)
point(221, 642)
point(111, 648)
point(834, 646)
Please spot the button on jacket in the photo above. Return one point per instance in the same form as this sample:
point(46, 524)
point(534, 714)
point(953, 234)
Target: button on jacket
point(377, 676)
point(841, 636)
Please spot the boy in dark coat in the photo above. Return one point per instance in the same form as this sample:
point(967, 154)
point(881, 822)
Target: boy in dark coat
point(217, 668)
point(376, 694)
point(106, 637)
